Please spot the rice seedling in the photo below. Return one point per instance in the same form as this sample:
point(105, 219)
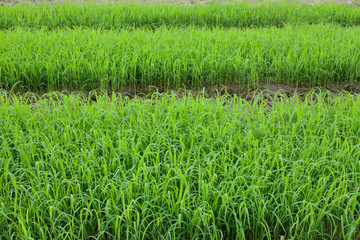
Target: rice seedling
point(179, 168)
point(90, 59)
point(115, 15)
point(169, 167)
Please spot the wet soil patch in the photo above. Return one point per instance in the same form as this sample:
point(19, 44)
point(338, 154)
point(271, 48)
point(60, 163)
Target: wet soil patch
point(267, 91)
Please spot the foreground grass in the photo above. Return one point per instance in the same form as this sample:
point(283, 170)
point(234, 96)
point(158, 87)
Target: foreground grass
point(189, 168)
point(119, 15)
point(91, 59)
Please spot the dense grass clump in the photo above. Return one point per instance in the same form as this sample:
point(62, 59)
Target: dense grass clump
point(90, 59)
point(115, 15)
point(170, 168)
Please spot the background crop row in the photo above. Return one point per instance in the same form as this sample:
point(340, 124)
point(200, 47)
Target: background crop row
point(116, 15)
point(89, 59)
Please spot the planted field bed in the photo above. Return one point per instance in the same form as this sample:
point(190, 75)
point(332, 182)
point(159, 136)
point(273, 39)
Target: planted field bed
point(179, 168)
point(115, 15)
point(178, 165)
point(89, 59)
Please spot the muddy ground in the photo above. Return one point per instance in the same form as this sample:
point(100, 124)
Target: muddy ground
point(268, 92)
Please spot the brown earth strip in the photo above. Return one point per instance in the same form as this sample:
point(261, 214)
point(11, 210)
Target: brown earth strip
point(268, 92)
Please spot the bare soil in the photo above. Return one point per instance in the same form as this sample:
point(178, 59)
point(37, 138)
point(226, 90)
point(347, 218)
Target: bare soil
point(269, 92)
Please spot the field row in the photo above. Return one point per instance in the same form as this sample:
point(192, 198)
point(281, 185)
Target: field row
point(169, 168)
point(119, 15)
point(86, 59)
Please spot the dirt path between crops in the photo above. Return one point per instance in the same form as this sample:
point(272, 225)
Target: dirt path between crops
point(269, 92)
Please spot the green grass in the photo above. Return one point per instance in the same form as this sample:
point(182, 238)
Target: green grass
point(166, 167)
point(119, 15)
point(188, 168)
point(84, 59)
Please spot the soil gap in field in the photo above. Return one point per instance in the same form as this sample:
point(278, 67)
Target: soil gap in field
point(268, 92)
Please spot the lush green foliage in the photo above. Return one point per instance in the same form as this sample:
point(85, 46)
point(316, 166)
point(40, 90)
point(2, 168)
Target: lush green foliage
point(120, 15)
point(169, 168)
point(89, 59)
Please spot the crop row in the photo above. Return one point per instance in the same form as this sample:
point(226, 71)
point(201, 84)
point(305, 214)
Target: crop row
point(89, 59)
point(115, 15)
point(169, 168)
